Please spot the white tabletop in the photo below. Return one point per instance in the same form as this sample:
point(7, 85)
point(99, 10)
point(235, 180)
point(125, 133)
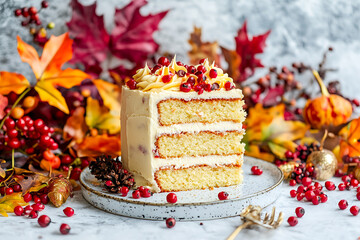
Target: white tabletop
point(324, 221)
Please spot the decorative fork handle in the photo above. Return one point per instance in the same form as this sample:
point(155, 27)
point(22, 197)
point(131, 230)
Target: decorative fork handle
point(238, 229)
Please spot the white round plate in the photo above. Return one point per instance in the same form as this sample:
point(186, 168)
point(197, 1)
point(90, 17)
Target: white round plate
point(191, 205)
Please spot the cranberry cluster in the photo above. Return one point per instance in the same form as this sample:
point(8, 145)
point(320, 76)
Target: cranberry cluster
point(301, 171)
point(312, 193)
point(141, 192)
point(348, 159)
point(256, 170)
point(196, 78)
point(348, 181)
point(32, 20)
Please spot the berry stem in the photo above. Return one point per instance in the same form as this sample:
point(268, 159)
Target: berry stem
point(14, 105)
point(322, 86)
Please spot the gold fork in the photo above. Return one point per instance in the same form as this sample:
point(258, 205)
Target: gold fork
point(252, 216)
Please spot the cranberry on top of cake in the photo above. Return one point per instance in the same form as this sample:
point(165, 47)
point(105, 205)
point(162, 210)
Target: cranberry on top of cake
point(176, 76)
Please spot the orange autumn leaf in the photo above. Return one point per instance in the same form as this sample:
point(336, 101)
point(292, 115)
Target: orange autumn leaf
point(9, 202)
point(110, 94)
point(254, 151)
point(93, 146)
point(75, 127)
point(12, 82)
point(350, 139)
point(234, 61)
point(47, 69)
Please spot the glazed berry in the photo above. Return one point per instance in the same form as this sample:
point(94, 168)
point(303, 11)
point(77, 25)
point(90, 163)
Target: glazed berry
point(306, 181)
point(202, 60)
point(323, 198)
point(64, 228)
point(191, 80)
point(124, 191)
point(228, 86)
point(146, 193)
point(33, 214)
point(341, 186)
point(166, 78)
point(9, 123)
point(207, 87)
point(44, 221)
point(354, 210)
point(292, 182)
point(164, 61)
point(299, 212)
point(309, 195)
point(316, 200)
point(171, 198)
point(14, 143)
point(179, 63)
point(141, 188)
point(9, 191)
point(213, 73)
point(170, 222)
point(69, 212)
point(354, 182)
point(330, 186)
point(131, 84)
point(17, 188)
point(293, 193)
point(181, 73)
point(346, 178)
point(18, 210)
point(292, 221)
point(223, 195)
point(201, 68)
point(343, 204)
point(27, 197)
point(191, 69)
point(215, 86)
point(136, 194)
point(185, 87)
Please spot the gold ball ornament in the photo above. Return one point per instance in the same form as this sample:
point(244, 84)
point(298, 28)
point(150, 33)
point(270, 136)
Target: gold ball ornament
point(324, 163)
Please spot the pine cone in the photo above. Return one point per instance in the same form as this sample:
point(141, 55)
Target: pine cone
point(111, 173)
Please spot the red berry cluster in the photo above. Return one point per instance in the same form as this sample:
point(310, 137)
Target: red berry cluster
point(301, 171)
point(348, 159)
point(196, 78)
point(141, 192)
point(256, 170)
point(309, 192)
point(293, 221)
point(32, 20)
point(348, 181)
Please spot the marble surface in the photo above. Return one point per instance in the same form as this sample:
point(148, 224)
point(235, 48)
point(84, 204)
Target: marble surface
point(324, 221)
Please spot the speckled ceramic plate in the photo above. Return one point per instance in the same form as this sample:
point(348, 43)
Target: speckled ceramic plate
point(191, 205)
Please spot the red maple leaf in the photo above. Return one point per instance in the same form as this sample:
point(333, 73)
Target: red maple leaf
point(131, 39)
point(247, 49)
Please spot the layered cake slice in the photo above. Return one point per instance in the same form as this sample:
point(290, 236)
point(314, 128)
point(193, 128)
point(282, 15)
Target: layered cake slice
point(182, 127)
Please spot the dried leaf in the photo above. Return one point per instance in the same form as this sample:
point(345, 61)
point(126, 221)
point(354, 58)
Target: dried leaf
point(12, 82)
point(200, 49)
point(350, 139)
point(101, 118)
point(234, 60)
point(32, 181)
point(98, 145)
point(9, 202)
point(75, 127)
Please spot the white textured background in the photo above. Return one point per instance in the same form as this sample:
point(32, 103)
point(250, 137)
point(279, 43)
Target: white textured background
point(301, 30)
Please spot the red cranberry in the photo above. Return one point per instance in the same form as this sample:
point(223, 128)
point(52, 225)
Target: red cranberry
point(213, 73)
point(164, 61)
point(202, 60)
point(306, 181)
point(9, 191)
point(131, 84)
point(292, 221)
point(354, 210)
point(292, 182)
point(343, 204)
point(358, 195)
point(27, 210)
point(27, 197)
point(33, 214)
point(44, 221)
point(9, 123)
point(181, 73)
point(215, 86)
point(346, 178)
point(179, 63)
point(124, 191)
point(207, 87)
point(108, 183)
point(223, 195)
point(12, 133)
point(228, 86)
point(44, 4)
point(323, 198)
point(309, 195)
point(38, 207)
point(155, 68)
point(17, 188)
point(293, 193)
point(300, 196)
point(146, 193)
point(258, 171)
point(191, 69)
point(317, 185)
point(141, 188)
point(170, 222)
point(18, 210)
point(301, 189)
point(311, 188)
point(330, 186)
point(201, 68)
point(166, 78)
point(171, 198)
point(341, 186)
point(253, 168)
point(299, 212)
point(316, 200)
point(66, 159)
point(191, 80)
point(64, 228)
point(17, 12)
point(354, 182)
point(185, 87)
point(69, 212)
point(136, 194)
point(36, 199)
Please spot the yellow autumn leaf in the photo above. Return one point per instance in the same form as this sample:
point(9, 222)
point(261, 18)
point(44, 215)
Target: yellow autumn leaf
point(254, 151)
point(100, 117)
point(110, 94)
point(47, 92)
point(9, 202)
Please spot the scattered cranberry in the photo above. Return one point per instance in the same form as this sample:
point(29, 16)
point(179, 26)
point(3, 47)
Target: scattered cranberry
point(323, 198)
point(44, 221)
point(164, 61)
point(358, 189)
point(292, 221)
point(33, 214)
point(179, 63)
point(316, 200)
point(346, 178)
point(330, 186)
point(170, 222)
point(311, 188)
point(36, 199)
point(64, 228)
point(9, 191)
point(317, 185)
point(354, 182)
point(309, 195)
point(27, 210)
point(341, 186)
point(228, 86)
point(146, 193)
point(191, 80)
point(38, 207)
point(292, 182)
point(301, 189)
point(136, 194)
point(44, 199)
point(185, 87)
point(171, 198)
point(253, 168)
point(27, 197)
point(213, 73)
point(108, 183)
point(131, 84)
point(358, 195)
point(300, 196)
point(299, 212)
point(17, 188)
point(306, 181)
point(223, 195)
point(293, 193)
point(124, 191)
point(343, 204)
point(354, 210)
point(18, 210)
point(69, 212)
point(258, 171)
